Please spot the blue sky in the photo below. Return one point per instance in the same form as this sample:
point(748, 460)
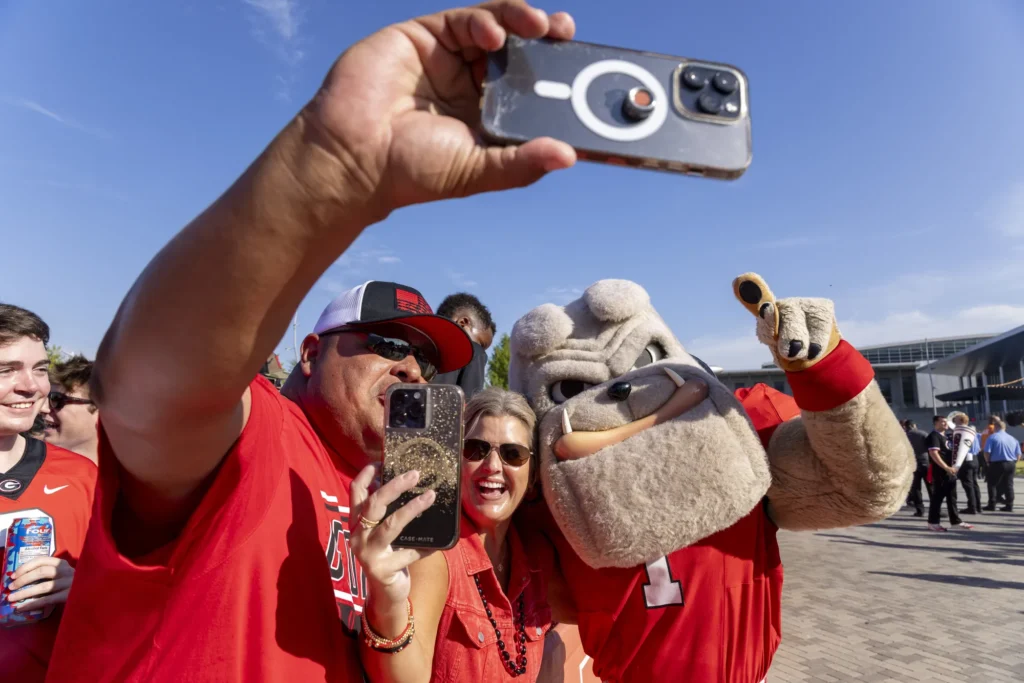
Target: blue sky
point(886, 172)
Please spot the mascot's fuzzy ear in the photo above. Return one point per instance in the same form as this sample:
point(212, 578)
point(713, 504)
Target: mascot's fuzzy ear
point(614, 301)
point(541, 331)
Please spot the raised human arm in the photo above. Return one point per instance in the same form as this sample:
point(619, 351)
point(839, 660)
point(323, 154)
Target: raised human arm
point(396, 578)
point(220, 294)
point(428, 590)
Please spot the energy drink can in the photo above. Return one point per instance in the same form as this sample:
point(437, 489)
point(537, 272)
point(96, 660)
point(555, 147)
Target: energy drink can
point(27, 539)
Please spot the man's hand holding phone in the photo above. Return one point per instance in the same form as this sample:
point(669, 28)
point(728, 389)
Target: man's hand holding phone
point(411, 137)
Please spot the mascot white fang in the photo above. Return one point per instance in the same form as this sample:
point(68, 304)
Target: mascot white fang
point(664, 490)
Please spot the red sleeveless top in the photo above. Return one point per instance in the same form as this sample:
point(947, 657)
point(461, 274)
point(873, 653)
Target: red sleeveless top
point(467, 645)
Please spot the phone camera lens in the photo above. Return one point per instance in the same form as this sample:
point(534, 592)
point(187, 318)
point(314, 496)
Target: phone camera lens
point(639, 104)
point(725, 82)
point(694, 78)
point(710, 104)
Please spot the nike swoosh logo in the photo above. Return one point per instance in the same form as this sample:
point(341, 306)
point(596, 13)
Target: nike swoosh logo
point(47, 490)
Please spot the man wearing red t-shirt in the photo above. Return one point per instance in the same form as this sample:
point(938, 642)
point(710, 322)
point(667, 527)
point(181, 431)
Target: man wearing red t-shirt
point(218, 501)
point(36, 480)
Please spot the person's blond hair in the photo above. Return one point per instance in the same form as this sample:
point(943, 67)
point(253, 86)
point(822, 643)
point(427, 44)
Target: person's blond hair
point(960, 419)
point(498, 402)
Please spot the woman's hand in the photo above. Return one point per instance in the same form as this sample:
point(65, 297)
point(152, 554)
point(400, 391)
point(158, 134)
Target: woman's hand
point(46, 580)
point(385, 568)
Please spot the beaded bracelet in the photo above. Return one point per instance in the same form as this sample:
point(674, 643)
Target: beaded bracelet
point(394, 645)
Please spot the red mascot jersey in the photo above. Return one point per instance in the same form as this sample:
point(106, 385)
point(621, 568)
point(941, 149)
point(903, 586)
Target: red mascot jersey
point(710, 612)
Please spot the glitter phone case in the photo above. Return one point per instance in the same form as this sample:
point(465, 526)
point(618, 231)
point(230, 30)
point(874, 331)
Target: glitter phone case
point(424, 432)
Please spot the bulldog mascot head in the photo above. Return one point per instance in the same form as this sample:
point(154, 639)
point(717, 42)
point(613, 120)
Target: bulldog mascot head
point(643, 451)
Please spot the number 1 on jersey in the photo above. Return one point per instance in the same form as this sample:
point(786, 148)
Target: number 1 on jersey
point(661, 589)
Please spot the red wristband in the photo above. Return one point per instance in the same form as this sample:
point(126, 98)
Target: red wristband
point(839, 377)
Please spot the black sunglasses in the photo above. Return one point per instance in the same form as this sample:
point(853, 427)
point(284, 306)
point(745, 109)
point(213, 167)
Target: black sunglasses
point(513, 454)
point(59, 400)
point(399, 349)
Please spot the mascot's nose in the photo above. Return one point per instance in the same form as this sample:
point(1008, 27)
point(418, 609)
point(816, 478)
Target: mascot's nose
point(619, 391)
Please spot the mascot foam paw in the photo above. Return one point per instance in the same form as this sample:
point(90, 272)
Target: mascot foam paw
point(799, 332)
point(660, 484)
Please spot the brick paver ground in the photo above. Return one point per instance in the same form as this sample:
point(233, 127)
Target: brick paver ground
point(894, 603)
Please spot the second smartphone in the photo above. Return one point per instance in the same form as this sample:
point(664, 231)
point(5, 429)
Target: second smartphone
point(424, 432)
point(620, 106)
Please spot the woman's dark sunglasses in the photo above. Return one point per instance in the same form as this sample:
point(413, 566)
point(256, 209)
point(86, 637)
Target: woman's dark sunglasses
point(59, 400)
point(398, 349)
point(512, 454)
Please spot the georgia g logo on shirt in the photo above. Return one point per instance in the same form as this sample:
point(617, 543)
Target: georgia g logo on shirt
point(10, 485)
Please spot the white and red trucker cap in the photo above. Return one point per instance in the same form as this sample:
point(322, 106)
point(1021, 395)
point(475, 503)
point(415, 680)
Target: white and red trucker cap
point(376, 302)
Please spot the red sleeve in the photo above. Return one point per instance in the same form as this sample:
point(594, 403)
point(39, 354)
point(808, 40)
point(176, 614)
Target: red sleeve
point(839, 377)
point(767, 408)
point(231, 506)
point(73, 517)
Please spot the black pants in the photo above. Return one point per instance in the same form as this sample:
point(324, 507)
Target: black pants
point(968, 476)
point(915, 488)
point(943, 489)
point(990, 484)
point(1002, 474)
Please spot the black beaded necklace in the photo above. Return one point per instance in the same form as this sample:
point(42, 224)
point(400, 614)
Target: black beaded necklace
point(518, 667)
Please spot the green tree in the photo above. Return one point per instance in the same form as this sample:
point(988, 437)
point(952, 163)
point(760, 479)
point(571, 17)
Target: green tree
point(55, 354)
point(497, 367)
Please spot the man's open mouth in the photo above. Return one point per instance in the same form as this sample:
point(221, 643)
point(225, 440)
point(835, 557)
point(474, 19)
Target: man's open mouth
point(573, 445)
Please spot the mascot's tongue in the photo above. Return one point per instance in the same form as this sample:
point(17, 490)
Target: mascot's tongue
point(574, 445)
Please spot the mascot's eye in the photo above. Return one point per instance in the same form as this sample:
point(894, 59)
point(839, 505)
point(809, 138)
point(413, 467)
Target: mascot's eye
point(652, 354)
point(565, 389)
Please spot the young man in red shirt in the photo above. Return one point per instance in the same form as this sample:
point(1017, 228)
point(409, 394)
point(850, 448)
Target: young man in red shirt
point(36, 480)
point(218, 500)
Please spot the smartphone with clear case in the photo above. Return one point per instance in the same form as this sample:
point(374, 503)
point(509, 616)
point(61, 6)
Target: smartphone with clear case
point(620, 106)
point(424, 432)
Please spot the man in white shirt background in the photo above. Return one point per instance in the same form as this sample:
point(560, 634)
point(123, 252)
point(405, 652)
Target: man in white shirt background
point(963, 443)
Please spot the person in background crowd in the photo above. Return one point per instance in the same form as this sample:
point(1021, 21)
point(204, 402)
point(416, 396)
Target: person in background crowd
point(1003, 451)
point(978, 459)
point(962, 446)
point(990, 484)
point(943, 479)
point(36, 480)
point(72, 418)
point(466, 311)
point(222, 549)
point(919, 441)
point(482, 607)
point(983, 435)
